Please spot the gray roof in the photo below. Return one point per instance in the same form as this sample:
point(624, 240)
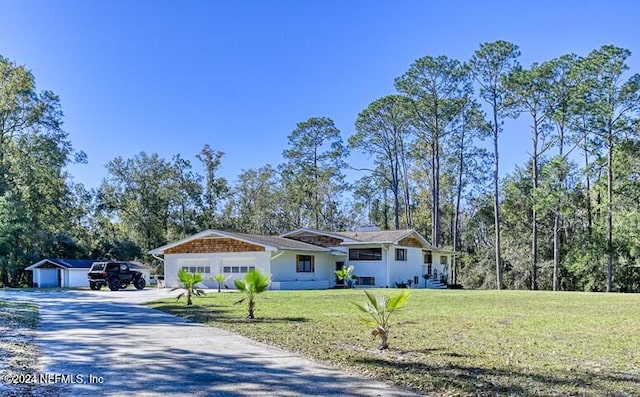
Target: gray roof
point(379, 236)
point(65, 263)
point(364, 236)
point(274, 242)
point(280, 243)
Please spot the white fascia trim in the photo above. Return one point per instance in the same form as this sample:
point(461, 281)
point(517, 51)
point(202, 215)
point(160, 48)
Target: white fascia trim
point(367, 243)
point(44, 261)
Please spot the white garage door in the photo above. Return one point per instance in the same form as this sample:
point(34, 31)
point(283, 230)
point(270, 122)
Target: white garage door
point(78, 278)
point(48, 278)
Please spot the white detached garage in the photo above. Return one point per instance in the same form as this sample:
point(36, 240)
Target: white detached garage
point(51, 273)
point(66, 273)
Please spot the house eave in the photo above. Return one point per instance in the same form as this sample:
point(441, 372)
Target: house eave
point(318, 233)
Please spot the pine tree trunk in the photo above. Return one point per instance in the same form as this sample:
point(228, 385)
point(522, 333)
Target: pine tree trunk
point(496, 202)
point(456, 217)
point(385, 210)
point(556, 250)
point(534, 214)
point(396, 195)
point(556, 217)
point(588, 182)
point(405, 179)
point(434, 203)
point(609, 213)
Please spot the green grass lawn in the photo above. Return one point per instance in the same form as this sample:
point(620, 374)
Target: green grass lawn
point(18, 351)
point(453, 342)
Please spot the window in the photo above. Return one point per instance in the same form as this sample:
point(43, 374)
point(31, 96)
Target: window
point(415, 280)
point(428, 258)
point(365, 254)
point(237, 269)
point(366, 280)
point(196, 269)
point(443, 260)
point(304, 263)
point(401, 254)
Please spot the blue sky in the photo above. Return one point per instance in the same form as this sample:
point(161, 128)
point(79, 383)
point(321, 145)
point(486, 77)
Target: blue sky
point(171, 76)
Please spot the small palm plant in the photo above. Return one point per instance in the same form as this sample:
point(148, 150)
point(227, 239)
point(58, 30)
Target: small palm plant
point(254, 283)
point(378, 311)
point(344, 275)
point(219, 278)
point(189, 283)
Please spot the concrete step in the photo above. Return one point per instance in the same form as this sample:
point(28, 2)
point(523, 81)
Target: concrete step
point(435, 284)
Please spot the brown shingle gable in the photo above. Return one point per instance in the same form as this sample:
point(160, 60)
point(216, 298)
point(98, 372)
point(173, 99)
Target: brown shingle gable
point(213, 245)
point(410, 242)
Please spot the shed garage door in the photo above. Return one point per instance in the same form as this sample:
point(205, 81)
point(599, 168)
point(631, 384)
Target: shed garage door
point(48, 278)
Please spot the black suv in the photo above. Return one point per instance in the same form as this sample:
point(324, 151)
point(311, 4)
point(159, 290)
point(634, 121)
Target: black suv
point(117, 275)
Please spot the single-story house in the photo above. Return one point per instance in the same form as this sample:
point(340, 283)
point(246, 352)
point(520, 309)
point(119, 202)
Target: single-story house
point(307, 258)
point(51, 272)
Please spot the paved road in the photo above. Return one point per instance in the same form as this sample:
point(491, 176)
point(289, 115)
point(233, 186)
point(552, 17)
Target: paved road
point(135, 350)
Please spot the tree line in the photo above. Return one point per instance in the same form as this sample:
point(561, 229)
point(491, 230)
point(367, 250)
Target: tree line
point(565, 218)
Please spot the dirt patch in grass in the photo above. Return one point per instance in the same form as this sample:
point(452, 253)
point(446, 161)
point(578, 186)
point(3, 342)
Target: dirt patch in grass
point(463, 343)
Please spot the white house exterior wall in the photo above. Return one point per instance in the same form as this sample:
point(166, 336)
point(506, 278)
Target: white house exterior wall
point(283, 267)
point(377, 269)
point(402, 271)
point(216, 262)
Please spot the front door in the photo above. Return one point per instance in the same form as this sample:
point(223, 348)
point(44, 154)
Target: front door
point(339, 266)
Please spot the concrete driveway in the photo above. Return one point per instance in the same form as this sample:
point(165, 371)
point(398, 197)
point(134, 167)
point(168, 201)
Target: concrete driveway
point(109, 345)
